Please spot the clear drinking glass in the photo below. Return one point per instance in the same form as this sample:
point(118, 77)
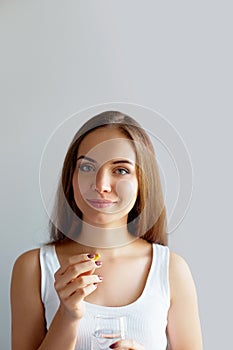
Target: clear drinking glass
point(108, 329)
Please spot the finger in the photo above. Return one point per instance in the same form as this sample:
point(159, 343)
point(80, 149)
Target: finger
point(128, 344)
point(80, 294)
point(79, 283)
point(75, 259)
point(73, 271)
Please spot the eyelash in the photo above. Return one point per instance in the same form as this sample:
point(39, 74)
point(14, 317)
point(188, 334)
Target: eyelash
point(82, 166)
point(119, 169)
point(92, 169)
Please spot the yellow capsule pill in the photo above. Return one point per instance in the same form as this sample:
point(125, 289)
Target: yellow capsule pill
point(97, 256)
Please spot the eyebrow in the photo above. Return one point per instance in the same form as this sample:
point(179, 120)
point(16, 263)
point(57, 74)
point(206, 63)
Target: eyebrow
point(87, 158)
point(115, 162)
point(123, 161)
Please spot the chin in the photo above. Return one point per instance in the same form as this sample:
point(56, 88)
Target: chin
point(102, 219)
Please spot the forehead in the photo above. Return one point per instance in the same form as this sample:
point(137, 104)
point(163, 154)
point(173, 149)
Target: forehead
point(105, 144)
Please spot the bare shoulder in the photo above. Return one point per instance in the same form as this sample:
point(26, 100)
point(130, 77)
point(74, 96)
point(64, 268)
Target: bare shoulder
point(27, 262)
point(28, 255)
point(184, 329)
point(26, 272)
point(180, 276)
point(177, 262)
point(28, 328)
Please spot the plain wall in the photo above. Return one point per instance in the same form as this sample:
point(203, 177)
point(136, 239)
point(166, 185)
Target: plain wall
point(58, 57)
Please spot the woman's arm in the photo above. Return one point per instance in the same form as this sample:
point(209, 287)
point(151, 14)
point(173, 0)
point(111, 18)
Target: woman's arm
point(28, 319)
point(184, 330)
point(27, 312)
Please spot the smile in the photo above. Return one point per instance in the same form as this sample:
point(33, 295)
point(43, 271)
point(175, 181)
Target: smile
point(100, 203)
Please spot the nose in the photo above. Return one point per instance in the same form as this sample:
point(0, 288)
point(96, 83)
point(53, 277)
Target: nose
point(102, 181)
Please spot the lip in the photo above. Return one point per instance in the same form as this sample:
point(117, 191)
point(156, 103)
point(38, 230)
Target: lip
point(100, 203)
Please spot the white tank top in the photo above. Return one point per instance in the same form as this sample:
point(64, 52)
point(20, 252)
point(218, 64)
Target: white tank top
point(146, 317)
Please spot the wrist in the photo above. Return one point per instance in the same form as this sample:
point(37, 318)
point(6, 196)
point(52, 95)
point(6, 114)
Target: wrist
point(66, 317)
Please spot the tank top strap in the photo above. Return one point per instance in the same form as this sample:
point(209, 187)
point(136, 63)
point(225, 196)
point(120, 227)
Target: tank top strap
point(158, 278)
point(49, 264)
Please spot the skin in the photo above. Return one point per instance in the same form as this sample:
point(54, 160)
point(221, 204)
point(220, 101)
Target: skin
point(81, 278)
point(105, 170)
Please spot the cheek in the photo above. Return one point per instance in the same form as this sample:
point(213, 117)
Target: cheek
point(81, 184)
point(127, 190)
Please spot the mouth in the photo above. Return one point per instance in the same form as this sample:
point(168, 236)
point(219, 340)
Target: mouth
point(100, 203)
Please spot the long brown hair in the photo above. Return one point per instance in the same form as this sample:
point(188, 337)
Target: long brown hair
point(147, 219)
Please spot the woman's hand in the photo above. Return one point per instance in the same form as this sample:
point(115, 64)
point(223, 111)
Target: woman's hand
point(128, 344)
point(74, 281)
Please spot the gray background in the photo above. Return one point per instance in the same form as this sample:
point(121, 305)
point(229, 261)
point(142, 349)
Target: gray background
point(175, 57)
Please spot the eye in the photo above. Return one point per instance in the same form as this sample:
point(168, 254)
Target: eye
point(122, 171)
point(86, 168)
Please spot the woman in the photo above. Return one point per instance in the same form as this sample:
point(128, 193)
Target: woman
point(110, 203)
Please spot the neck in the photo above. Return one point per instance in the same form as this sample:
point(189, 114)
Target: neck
point(104, 237)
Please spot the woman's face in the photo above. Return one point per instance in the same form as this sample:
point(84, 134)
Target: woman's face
point(105, 182)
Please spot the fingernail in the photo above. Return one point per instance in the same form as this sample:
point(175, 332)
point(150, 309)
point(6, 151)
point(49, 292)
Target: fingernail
point(98, 263)
point(100, 278)
point(113, 346)
point(90, 256)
